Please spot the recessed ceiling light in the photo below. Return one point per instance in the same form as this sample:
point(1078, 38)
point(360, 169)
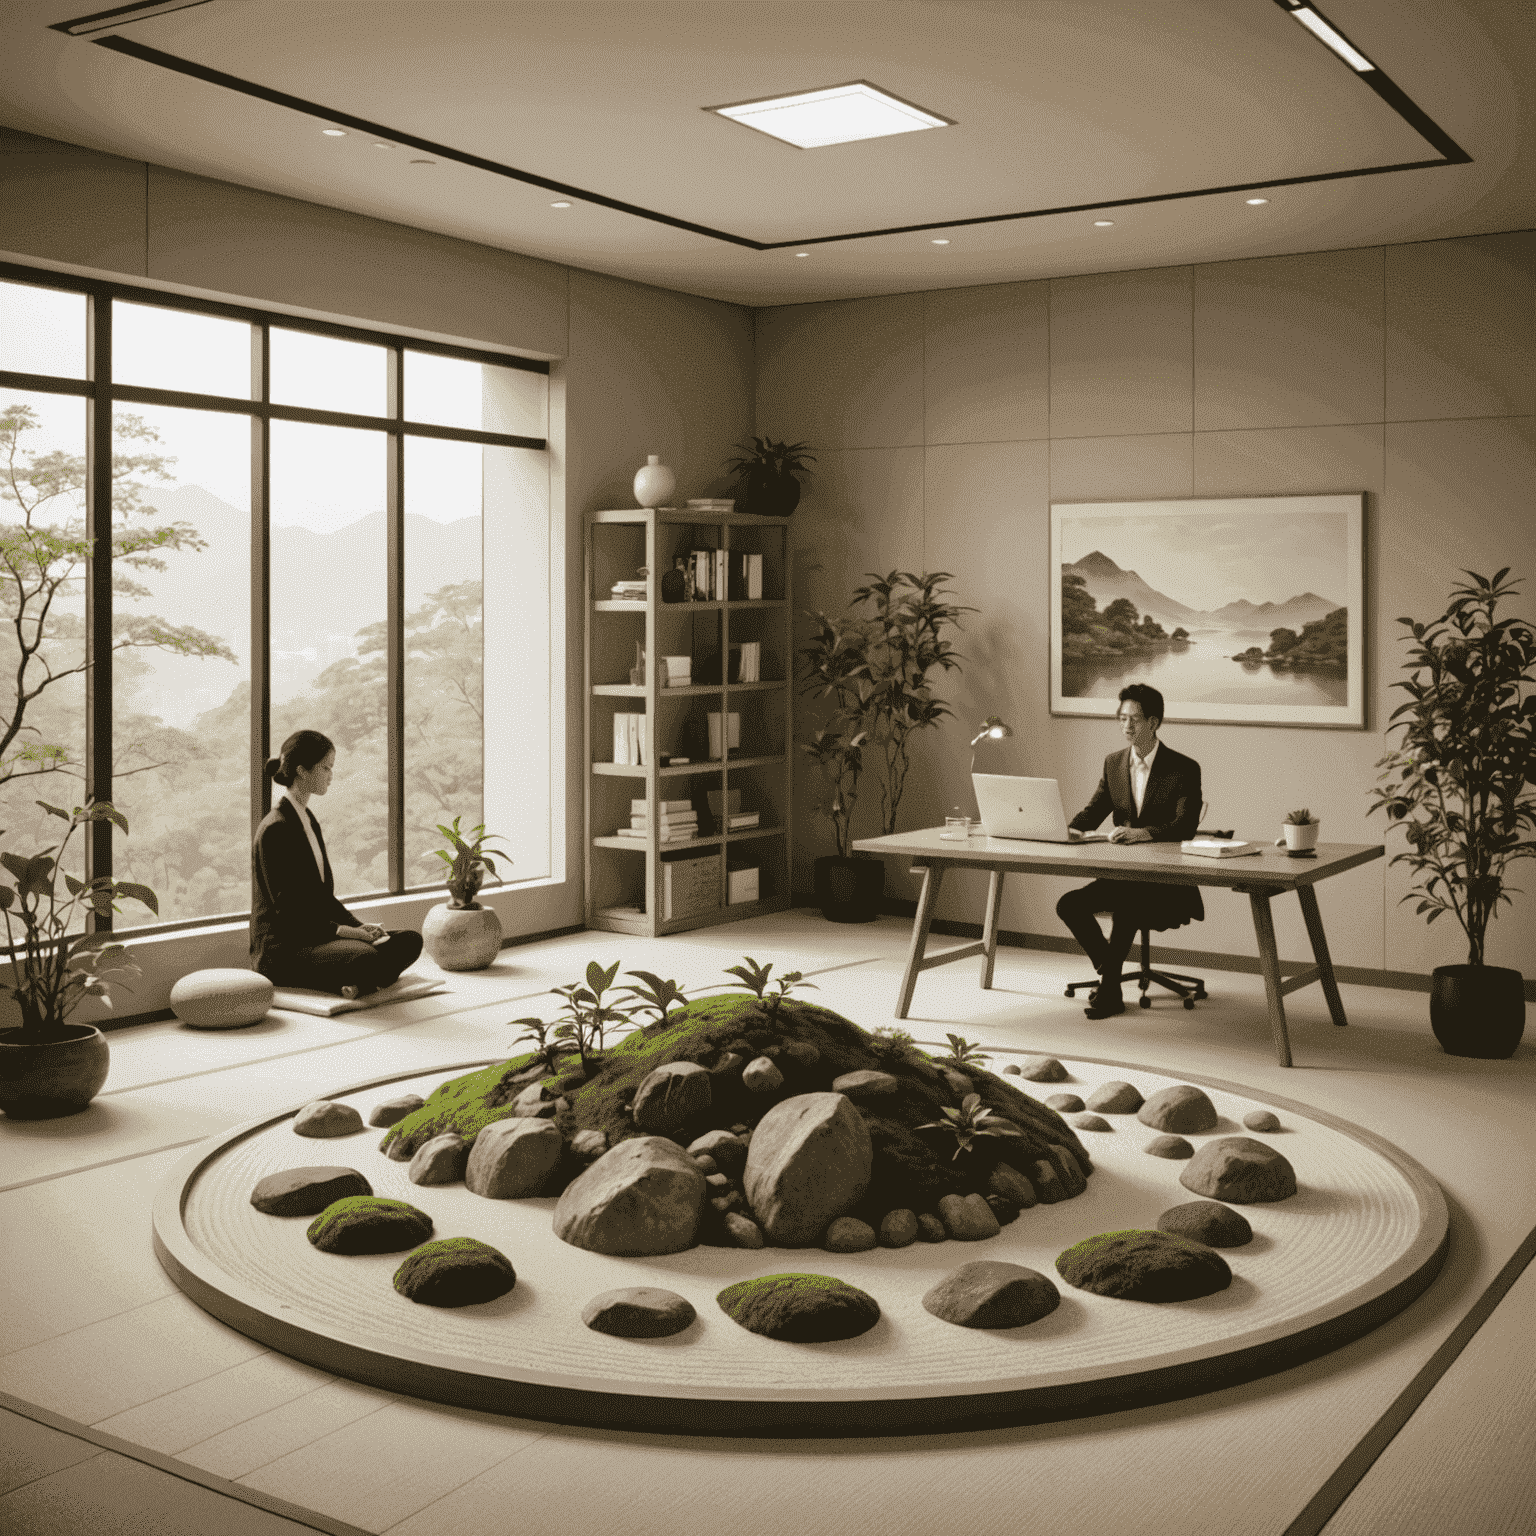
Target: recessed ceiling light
point(1325, 34)
point(423, 162)
point(1103, 223)
point(941, 242)
point(1257, 202)
point(559, 205)
point(334, 133)
point(383, 146)
point(838, 114)
point(801, 255)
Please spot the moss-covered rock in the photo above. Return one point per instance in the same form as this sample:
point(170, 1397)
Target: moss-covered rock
point(800, 1308)
point(1144, 1266)
point(455, 1272)
point(369, 1224)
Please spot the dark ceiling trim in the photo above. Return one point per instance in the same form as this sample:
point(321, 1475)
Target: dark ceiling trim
point(1447, 150)
point(122, 15)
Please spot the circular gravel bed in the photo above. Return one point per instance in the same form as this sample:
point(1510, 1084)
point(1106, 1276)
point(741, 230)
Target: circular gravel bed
point(1363, 1235)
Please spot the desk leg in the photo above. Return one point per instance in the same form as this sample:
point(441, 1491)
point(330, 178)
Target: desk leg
point(989, 932)
point(1269, 963)
point(1314, 920)
point(933, 878)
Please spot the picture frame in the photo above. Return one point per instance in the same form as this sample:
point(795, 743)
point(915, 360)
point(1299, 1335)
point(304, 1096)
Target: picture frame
point(1244, 610)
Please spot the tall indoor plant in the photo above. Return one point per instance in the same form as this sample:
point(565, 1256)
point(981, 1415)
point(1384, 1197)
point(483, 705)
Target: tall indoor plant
point(1460, 785)
point(461, 935)
point(48, 1066)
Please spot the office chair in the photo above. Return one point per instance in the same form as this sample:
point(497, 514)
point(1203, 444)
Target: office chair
point(1190, 988)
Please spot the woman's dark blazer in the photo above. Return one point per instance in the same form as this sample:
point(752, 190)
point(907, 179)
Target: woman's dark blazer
point(292, 908)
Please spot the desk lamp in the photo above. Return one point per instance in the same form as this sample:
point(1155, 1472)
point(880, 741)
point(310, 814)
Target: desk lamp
point(992, 727)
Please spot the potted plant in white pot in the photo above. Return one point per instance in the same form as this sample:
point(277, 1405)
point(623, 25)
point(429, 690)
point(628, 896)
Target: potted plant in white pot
point(1459, 784)
point(1301, 830)
point(48, 1066)
point(461, 935)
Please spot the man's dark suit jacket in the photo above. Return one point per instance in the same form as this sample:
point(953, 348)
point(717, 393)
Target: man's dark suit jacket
point(1170, 811)
point(292, 907)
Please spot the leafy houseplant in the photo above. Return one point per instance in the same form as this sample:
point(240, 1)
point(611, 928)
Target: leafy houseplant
point(970, 1121)
point(461, 935)
point(1459, 784)
point(768, 474)
point(48, 1066)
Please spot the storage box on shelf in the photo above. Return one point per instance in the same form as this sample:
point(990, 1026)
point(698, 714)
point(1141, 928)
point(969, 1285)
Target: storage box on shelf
point(688, 768)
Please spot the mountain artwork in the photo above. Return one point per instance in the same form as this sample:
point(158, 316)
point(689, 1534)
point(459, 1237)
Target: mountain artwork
point(1244, 610)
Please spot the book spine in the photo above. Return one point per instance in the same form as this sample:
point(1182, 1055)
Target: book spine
point(754, 577)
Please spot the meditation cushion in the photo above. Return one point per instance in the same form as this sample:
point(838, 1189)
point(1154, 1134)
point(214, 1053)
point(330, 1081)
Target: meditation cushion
point(221, 999)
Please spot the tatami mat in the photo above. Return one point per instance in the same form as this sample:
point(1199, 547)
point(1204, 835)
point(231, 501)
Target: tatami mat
point(101, 1338)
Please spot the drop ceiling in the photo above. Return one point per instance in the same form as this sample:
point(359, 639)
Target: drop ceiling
point(472, 117)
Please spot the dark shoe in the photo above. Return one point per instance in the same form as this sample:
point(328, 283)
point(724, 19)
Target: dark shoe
point(1105, 1005)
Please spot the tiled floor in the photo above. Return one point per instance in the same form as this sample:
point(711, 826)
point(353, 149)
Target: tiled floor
point(136, 1412)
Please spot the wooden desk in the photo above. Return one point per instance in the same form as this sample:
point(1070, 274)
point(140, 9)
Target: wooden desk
point(1259, 877)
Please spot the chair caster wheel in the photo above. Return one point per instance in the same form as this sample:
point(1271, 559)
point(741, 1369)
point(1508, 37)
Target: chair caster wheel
point(1146, 1002)
point(1069, 992)
point(1189, 1003)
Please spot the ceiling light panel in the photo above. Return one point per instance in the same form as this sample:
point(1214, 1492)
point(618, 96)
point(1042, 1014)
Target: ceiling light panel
point(1333, 39)
point(838, 114)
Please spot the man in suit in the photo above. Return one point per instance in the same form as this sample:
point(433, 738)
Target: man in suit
point(1153, 793)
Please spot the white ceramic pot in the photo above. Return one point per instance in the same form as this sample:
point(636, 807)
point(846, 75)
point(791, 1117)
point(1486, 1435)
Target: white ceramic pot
point(1298, 838)
point(461, 939)
point(654, 482)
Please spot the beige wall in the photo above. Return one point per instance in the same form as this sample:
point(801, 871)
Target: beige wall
point(636, 370)
point(948, 421)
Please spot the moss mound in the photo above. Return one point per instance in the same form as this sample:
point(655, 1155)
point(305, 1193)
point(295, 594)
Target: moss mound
point(1144, 1266)
point(455, 1272)
point(912, 1169)
point(369, 1224)
point(800, 1308)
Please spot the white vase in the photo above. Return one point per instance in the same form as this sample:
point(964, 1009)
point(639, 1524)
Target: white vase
point(1303, 836)
point(654, 482)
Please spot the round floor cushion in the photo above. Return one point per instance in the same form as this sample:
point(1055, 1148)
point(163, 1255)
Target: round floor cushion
point(221, 999)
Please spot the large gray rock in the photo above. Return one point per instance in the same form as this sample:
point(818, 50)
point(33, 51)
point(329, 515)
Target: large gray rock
point(808, 1163)
point(1115, 1098)
point(644, 1196)
point(670, 1096)
point(307, 1191)
point(1042, 1069)
point(728, 1151)
point(392, 1111)
point(638, 1312)
point(968, 1218)
point(761, 1075)
point(991, 1294)
point(865, 1085)
point(325, 1118)
point(440, 1161)
point(512, 1159)
point(1182, 1110)
point(1209, 1222)
point(1144, 1266)
point(1239, 1169)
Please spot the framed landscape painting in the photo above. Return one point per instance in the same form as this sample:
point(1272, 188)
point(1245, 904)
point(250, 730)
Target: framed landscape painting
point(1245, 610)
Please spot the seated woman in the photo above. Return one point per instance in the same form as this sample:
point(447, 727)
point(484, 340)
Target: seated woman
point(301, 936)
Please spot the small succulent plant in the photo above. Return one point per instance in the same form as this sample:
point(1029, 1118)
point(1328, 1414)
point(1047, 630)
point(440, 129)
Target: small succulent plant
point(963, 1053)
point(1301, 818)
point(970, 1120)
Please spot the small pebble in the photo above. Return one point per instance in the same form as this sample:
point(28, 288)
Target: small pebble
point(1013, 1069)
point(1169, 1146)
point(325, 1118)
point(1091, 1123)
point(929, 1228)
point(1115, 1098)
point(1261, 1120)
point(1064, 1103)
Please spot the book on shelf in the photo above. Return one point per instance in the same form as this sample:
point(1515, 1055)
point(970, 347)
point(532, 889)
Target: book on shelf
point(750, 667)
point(631, 591)
point(743, 821)
point(1218, 848)
point(712, 504)
point(666, 835)
point(689, 824)
point(724, 735)
point(629, 746)
point(639, 807)
point(679, 673)
point(689, 887)
point(746, 577)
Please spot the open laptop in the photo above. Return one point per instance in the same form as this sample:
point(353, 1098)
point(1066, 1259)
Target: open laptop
point(1029, 809)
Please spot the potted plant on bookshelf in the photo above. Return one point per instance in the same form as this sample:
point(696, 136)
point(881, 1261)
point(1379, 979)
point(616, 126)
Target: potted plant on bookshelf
point(1459, 784)
point(461, 935)
point(906, 645)
point(49, 1067)
point(837, 668)
point(768, 472)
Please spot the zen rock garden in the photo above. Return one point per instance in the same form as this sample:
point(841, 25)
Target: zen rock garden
point(766, 1122)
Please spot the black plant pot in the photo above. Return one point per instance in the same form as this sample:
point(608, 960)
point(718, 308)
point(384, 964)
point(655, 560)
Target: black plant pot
point(1477, 1010)
point(771, 495)
point(848, 890)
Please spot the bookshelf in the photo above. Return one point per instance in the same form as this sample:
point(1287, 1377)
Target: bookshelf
point(630, 879)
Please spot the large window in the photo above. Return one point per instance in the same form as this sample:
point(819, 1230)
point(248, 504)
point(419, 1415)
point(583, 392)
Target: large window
point(242, 525)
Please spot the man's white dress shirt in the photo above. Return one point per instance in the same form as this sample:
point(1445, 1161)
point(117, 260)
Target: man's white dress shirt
point(1141, 772)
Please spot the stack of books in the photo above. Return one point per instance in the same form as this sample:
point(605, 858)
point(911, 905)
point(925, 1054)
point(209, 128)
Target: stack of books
point(746, 578)
point(630, 591)
point(677, 821)
point(708, 567)
point(1218, 847)
point(725, 807)
point(689, 887)
point(724, 733)
point(629, 745)
point(679, 671)
point(711, 503)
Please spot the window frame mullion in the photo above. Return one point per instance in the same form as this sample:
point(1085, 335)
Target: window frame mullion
point(98, 592)
point(261, 580)
point(394, 691)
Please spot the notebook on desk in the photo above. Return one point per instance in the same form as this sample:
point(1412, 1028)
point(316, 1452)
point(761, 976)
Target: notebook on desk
point(1028, 809)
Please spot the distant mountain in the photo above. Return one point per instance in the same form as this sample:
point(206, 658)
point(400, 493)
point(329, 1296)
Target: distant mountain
point(1107, 581)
